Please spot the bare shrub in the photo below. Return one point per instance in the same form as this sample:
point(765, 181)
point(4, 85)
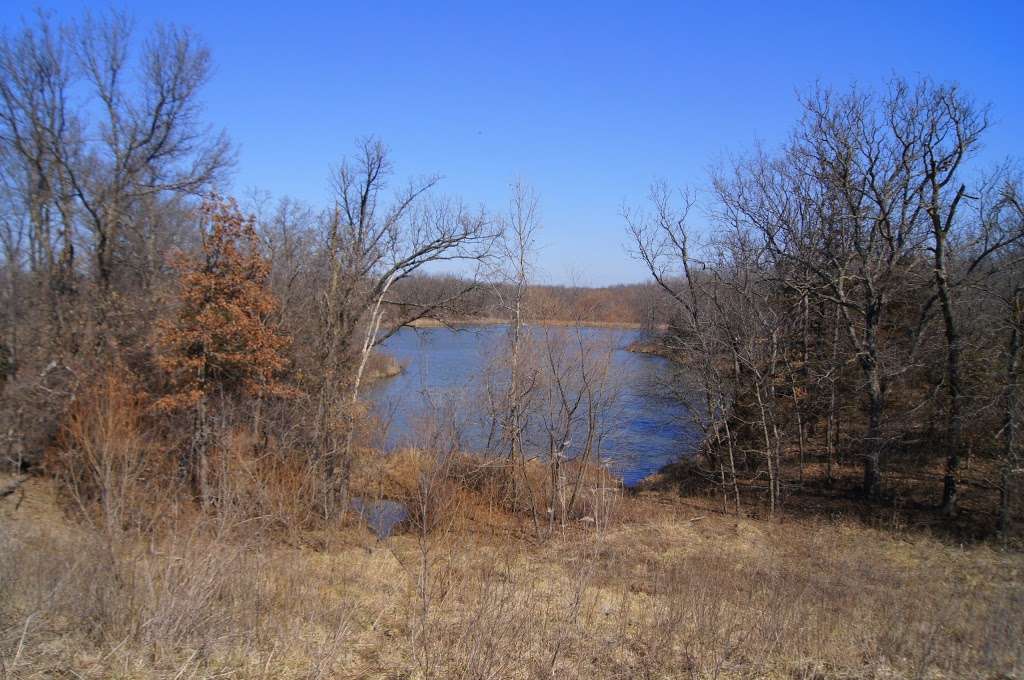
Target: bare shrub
point(261, 484)
point(111, 466)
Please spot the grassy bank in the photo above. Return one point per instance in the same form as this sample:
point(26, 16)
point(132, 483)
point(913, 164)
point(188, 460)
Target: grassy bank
point(660, 586)
point(653, 347)
point(381, 366)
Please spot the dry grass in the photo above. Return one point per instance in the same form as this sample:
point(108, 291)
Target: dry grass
point(910, 502)
point(661, 595)
point(108, 570)
point(381, 366)
point(467, 492)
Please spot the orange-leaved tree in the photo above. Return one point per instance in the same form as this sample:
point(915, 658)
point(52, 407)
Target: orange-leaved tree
point(221, 345)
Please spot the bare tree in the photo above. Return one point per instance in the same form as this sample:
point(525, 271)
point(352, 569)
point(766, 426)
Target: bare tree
point(1007, 288)
point(97, 147)
point(577, 393)
point(515, 370)
point(150, 139)
point(840, 208)
point(663, 243)
point(37, 126)
point(845, 248)
point(520, 231)
point(370, 244)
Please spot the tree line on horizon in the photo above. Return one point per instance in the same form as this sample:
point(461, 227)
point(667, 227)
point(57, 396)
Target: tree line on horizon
point(632, 304)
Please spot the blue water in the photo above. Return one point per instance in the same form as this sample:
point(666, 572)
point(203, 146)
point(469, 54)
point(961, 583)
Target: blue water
point(381, 516)
point(643, 429)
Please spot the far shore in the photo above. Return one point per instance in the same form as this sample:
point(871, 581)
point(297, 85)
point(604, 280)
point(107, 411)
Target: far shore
point(494, 321)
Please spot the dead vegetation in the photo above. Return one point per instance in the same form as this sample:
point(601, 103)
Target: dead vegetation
point(812, 492)
point(659, 592)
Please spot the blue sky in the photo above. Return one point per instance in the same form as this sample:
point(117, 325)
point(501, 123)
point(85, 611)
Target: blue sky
point(588, 102)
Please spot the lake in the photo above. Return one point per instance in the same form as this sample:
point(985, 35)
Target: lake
point(644, 429)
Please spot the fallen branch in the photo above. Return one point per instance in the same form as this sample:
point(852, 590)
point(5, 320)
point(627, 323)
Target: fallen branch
point(12, 487)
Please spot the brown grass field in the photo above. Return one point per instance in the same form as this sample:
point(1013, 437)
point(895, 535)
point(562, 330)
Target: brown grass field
point(648, 585)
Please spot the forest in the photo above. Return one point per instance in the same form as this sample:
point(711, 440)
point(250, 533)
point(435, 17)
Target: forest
point(194, 479)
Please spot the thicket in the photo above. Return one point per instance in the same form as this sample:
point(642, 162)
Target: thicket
point(856, 300)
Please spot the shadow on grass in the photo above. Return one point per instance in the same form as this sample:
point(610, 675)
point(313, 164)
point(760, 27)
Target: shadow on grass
point(909, 502)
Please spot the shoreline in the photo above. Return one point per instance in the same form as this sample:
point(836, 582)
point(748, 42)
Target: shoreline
point(494, 321)
point(382, 367)
point(651, 347)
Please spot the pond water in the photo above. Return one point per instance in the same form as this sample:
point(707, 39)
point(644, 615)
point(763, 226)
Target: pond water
point(381, 516)
point(644, 429)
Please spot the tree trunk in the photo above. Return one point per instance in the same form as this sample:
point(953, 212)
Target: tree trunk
point(767, 451)
point(875, 401)
point(954, 387)
point(832, 426)
point(954, 436)
point(1009, 426)
point(195, 466)
point(732, 466)
point(872, 449)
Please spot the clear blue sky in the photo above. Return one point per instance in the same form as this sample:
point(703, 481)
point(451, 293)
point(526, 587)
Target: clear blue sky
point(587, 102)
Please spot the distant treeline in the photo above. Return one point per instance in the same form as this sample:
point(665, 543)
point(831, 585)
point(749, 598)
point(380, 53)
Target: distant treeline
point(641, 304)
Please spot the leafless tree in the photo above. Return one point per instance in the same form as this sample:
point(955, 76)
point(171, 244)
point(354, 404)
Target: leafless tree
point(37, 126)
point(150, 138)
point(513, 373)
point(576, 395)
point(839, 207)
point(1006, 286)
point(370, 244)
point(664, 245)
point(98, 145)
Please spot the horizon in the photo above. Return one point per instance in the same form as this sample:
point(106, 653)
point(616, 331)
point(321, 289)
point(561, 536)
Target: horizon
point(587, 106)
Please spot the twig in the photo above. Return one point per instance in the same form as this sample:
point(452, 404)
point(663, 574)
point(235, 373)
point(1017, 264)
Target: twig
point(12, 487)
